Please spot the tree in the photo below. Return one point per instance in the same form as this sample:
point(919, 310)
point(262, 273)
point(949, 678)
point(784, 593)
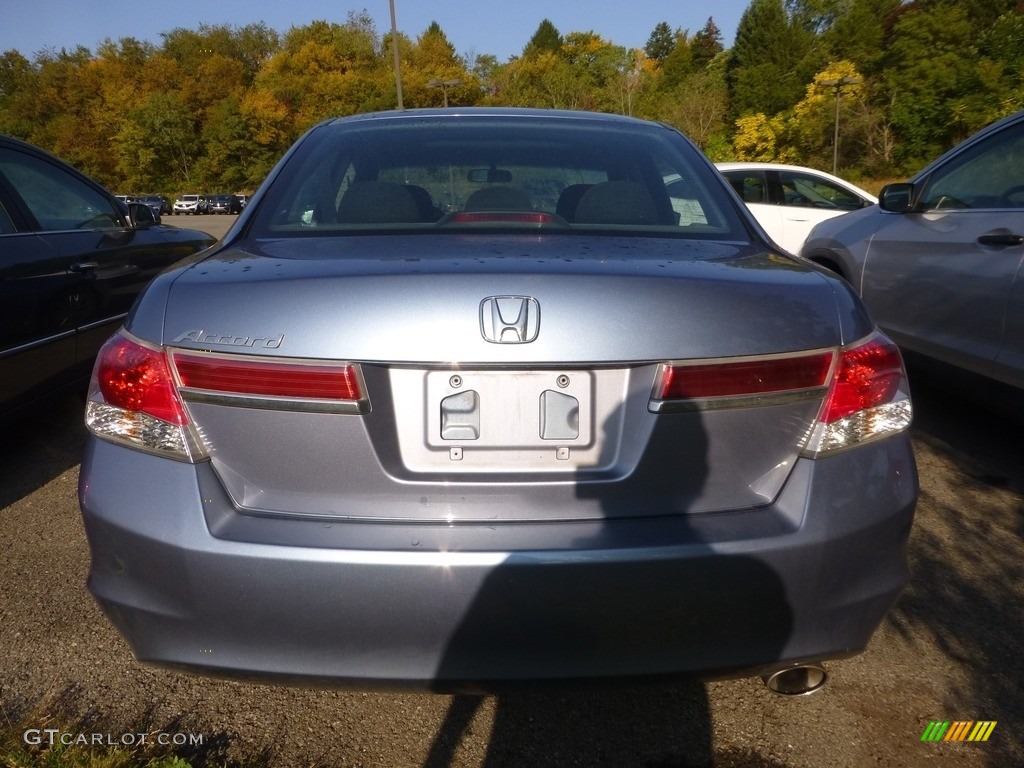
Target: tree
point(760, 139)
point(433, 59)
point(545, 40)
point(706, 45)
point(861, 33)
point(815, 16)
point(327, 69)
point(660, 43)
point(929, 69)
point(811, 126)
point(697, 106)
point(18, 82)
point(157, 143)
point(766, 60)
point(678, 65)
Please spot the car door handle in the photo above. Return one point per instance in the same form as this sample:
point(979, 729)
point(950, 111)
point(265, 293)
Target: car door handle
point(84, 266)
point(1002, 239)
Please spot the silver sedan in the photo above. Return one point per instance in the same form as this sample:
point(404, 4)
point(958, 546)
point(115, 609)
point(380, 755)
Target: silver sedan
point(471, 398)
point(939, 262)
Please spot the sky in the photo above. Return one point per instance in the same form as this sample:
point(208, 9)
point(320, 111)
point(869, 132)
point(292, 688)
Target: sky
point(475, 27)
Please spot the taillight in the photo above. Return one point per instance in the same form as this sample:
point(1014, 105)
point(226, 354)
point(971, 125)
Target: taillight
point(139, 391)
point(255, 377)
point(862, 390)
point(866, 377)
point(137, 378)
point(868, 398)
point(739, 378)
point(133, 400)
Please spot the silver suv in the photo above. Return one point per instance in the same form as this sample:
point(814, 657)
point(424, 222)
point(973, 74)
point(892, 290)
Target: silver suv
point(186, 204)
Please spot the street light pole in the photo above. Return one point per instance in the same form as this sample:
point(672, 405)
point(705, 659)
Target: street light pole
point(838, 85)
point(444, 85)
point(394, 54)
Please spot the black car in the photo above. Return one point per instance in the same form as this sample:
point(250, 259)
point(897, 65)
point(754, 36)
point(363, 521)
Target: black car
point(225, 204)
point(72, 262)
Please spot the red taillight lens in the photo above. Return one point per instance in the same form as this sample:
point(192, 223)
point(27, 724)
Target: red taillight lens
point(268, 378)
point(511, 217)
point(745, 377)
point(866, 376)
point(138, 379)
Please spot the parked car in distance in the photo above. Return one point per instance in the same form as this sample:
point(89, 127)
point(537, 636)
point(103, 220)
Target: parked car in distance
point(155, 203)
point(160, 204)
point(72, 261)
point(187, 205)
point(524, 440)
point(225, 204)
point(939, 262)
point(788, 200)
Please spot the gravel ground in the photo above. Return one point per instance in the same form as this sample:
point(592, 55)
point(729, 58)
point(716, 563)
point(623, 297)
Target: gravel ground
point(950, 650)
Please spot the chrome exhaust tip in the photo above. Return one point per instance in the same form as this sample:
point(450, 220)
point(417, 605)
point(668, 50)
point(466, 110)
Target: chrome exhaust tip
point(798, 680)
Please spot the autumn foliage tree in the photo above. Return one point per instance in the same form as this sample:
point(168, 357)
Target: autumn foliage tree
point(214, 108)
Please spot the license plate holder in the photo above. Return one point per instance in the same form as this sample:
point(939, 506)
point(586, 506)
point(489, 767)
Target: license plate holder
point(509, 409)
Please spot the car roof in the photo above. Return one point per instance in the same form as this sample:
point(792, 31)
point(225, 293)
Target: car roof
point(740, 166)
point(24, 146)
point(508, 112)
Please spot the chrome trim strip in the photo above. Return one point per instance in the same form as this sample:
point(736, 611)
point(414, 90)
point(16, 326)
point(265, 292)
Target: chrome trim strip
point(38, 343)
point(737, 401)
point(105, 321)
point(271, 403)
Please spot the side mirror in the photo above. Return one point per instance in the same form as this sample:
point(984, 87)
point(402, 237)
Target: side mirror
point(896, 198)
point(141, 215)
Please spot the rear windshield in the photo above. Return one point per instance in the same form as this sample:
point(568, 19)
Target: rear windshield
point(440, 173)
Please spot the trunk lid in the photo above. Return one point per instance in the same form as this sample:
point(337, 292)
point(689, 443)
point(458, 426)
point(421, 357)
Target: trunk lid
point(458, 427)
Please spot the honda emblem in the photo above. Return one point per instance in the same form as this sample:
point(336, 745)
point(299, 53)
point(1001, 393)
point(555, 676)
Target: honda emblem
point(509, 319)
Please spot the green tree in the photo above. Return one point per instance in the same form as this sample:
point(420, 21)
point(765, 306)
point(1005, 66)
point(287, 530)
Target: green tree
point(930, 66)
point(815, 16)
point(861, 33)
point(660, 43)
point(766, 61)
point(706, 44)
point(678, 65)
point(546, 39)
point(697, 106)
point(156, 144)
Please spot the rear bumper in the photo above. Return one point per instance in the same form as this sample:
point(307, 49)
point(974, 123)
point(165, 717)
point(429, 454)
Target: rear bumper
point(447, 607)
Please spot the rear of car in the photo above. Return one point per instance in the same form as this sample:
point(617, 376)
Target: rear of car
point(472, 399)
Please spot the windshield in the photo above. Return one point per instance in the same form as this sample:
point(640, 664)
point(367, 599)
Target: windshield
point(441, 173)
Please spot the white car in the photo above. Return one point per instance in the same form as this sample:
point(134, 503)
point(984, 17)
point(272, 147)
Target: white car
point(186, 205)
point(788, 200)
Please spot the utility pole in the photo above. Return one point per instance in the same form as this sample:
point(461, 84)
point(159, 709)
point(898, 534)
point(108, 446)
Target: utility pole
point(394, 53)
